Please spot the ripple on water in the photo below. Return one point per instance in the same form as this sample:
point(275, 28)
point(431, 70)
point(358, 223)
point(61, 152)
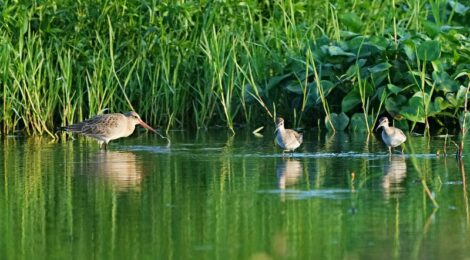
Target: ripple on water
point(206, 151)
point(138, 148)
point(337, 155)
point(453, 183)
point(308, 194)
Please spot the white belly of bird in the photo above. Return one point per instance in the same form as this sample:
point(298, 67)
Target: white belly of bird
point(394, 140)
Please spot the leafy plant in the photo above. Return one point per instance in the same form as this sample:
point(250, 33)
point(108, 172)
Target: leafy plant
point(188, 64)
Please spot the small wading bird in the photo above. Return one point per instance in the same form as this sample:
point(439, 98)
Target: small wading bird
point(391, 136)
point(107, 127)
point(287, 139)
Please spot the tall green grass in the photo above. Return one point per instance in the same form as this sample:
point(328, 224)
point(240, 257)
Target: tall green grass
point(177, 63)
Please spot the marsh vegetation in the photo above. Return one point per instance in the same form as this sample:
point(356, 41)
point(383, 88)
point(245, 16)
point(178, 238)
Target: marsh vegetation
point(184, 64)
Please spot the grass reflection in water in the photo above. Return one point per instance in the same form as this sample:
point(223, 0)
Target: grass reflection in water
point(209, 196)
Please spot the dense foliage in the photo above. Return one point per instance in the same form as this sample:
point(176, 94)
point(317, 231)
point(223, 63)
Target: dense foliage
point(202, 63)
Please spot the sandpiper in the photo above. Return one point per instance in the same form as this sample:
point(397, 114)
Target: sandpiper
point(288, 173)
point(107, 127)
point(287, 139)
point(391, 136)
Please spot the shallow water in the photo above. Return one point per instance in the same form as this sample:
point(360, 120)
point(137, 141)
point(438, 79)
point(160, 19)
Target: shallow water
point(211, 195)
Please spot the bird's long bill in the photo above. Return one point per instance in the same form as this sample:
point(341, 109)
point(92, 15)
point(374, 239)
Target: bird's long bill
point(380, 125)
point(142, 123)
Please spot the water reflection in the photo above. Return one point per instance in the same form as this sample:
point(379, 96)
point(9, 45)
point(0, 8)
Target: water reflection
point(394, 174)
point(279, 248)
point(288, 173)
point(58, 200)
point(121, 169)
point(464, 190)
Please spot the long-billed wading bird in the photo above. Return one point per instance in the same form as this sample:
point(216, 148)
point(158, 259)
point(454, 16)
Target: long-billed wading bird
point(391, 136)
point(107, 127)
point(287, 139)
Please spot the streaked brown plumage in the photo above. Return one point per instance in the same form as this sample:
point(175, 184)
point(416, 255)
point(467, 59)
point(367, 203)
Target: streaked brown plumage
point(287, 139)
point(107, 127)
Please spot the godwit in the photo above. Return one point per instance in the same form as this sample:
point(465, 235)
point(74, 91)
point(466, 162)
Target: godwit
point(287, 139)
point(121, 169)
point(391, 136)
point(107, 127)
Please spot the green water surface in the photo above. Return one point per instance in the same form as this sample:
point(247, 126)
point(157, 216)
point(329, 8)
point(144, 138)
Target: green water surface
point(213, 195)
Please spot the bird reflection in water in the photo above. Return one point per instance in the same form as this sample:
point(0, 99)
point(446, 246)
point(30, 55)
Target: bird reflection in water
point(120, 169)
point(288, 173)
point(394, 174)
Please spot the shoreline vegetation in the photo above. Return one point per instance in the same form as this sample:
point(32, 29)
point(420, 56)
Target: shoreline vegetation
point(184, 64)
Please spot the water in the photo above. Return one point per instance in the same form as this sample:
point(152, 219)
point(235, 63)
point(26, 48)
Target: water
point(211, 195)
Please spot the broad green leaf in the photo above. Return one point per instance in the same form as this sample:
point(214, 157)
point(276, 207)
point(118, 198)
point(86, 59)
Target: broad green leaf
point(444, 82)
point(432, 28)
point(314, 95)
point(378, 78)
point(347, 34)
point(337, 51)
point(328, 70)
point(393, 104)
point(352, 21)
point(351, 100)
point(409, 49)
point(358, 122)
point(381, 67)
point(357, 42)
point(367, 50)
point(327, 86)
point(343, 45)
point(457, 99)
point(381, 94)
point(429, 50)
point(379, 42)
point(294, 87)
point(462, 72)
point(275, 81)
point(352, 70)
point(394, 89)
point(450, 97)
point(414, 110)
point(440, 65)
point(461, 95)
point(437, 106)
point(401, 124)
point(319, 51)
point(340, 122)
